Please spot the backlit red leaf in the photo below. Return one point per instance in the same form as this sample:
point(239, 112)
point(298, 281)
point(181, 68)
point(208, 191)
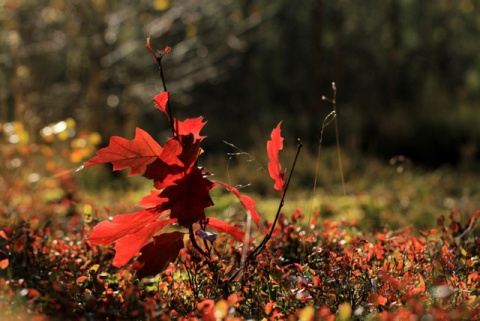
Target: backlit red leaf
point(165, 171)
point(122, 153)
point(189, 197)
point(107, 232)
point(274, 168)
point(157, 255)
point(152, 200)
point(163, 174)
point(224, 227)
point(129, 246)
point(171, 151)
point(190, 127)
point(247, 202)
point(161, 102)
point(191, 150)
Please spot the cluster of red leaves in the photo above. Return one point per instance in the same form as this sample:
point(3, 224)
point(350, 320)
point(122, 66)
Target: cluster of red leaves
point(316, 272)
point(331, 270)
point(181, 196)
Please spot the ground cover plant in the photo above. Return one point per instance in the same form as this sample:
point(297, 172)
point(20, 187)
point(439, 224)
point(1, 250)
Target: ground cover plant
point(172, 261)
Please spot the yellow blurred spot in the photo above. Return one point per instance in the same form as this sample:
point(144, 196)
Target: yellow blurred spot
point(307, 314)
point(79, 143)
point(94, 138)
point(160, 5)
point(94, 268)
point(220, 310)
point(63, 135)
point(76, 156)
point(70, 122)
point(190, 30)
point(87, 209)
point(466, 6)
point(344, 312)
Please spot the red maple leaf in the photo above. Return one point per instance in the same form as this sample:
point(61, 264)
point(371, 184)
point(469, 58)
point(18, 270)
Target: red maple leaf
point(130, 232)
point(171, 152)
point(164, 171)
point(191, 127)
point(247, 202)
point(188, 197)
point(122, 153)
point(151, 200)
point(274, 168)
point(181, 197)
point(107, 232)
point(157, 255)
point(224, 227)
point(129, 246)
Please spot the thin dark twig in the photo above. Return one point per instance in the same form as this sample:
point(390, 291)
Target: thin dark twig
point(267, 237)
point(260, 247)
point(158, 57)
point(194, 242)
point(169, 108)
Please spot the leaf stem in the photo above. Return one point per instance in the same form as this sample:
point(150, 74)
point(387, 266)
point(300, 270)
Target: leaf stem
point(194, 242)
point(169, 108)
point(260, 247)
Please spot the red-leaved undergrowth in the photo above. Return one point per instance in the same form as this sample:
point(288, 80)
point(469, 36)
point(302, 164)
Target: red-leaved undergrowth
point(182, 192)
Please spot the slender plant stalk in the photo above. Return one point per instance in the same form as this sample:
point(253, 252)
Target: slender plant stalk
point(158, 57)
point(194, 242)
point(327, 121)
point(259, 249)
point(337, 137)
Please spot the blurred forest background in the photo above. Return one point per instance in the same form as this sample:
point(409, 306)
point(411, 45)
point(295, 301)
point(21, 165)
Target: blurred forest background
point(407, 72)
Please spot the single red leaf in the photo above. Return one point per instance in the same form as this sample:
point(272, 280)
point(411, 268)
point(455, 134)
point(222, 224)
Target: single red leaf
point(191, 126)
point(161, 101)
point(4, 264)
point(171, 151)
point(122, 153)
point(421, 288)
point(224, 227)
point(274, 168)
point(107, 232)
point(129, 246)
point(152, 200)
point(191, 150)
point(189, 197)
point(158, 254)
point(247, 202)
point(163, 174)
point(381, 300)
point(81, 279)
